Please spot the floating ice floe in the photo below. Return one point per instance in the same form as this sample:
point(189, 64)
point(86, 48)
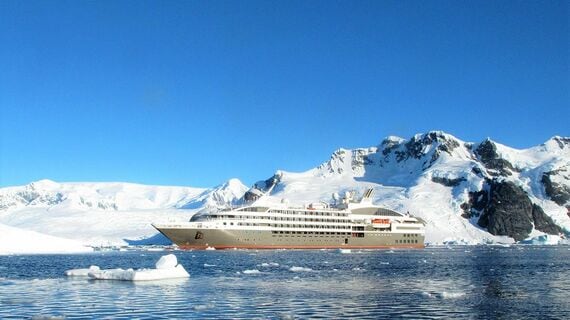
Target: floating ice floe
point(167, 267)
point(270, 264)
point(254, 271)
point(444, 294)
point(81, 272)
point(300, 269)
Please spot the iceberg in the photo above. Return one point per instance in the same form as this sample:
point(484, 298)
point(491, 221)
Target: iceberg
point(167, 267)
point(545, 239)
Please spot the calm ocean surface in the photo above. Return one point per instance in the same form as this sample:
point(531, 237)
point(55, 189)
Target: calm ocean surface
point(519, 282)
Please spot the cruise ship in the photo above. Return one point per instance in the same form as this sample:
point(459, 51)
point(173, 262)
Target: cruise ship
point(349, 224)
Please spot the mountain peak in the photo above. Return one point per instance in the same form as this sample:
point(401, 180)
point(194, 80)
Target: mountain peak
point(232, 183)
point(434, 136)
point(558, 141)
point(439, 141)
point(392, 140)
point(230, 189)
point(43, 184)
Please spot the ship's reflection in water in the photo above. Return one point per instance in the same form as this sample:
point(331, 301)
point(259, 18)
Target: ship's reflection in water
point(458, 282)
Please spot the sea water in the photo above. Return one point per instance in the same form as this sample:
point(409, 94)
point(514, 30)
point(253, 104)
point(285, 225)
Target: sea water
point(438, 282)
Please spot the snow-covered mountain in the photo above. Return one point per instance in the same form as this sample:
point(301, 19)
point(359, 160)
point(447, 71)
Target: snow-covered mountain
point(467, 192)
point(106, 213)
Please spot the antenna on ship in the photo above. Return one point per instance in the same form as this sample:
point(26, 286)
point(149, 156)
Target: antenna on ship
point(335, 197)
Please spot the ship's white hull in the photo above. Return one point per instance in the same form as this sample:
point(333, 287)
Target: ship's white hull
point(194, 238)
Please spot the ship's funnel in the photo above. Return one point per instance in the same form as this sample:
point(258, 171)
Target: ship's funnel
point(368, 193)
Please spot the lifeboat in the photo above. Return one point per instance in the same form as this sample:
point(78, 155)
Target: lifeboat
point(381, 224)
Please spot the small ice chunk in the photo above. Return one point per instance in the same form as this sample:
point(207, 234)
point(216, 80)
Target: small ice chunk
point(254, 271)
point(452, 295)
point(47, 317)
point(166, 262)
point(80, 272)
point(202, 307)
point(444, 294)
point(300, 269)
point(270, 264)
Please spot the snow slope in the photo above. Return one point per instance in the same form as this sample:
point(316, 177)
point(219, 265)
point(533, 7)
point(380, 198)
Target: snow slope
point(19, 241)
point(434, 176)
point(104, 214)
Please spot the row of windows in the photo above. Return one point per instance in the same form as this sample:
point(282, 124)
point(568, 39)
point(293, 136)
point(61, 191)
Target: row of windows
point(276, 225)
point(410, 235)
point(406, 241)
point(310, 239)
point(311, 213)
point(218, 217)
point(310, 233)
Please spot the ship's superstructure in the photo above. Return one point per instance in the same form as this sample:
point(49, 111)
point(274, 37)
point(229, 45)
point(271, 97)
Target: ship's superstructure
point(348, 224)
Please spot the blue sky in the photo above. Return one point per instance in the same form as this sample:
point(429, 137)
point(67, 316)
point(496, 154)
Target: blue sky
point(197, 92)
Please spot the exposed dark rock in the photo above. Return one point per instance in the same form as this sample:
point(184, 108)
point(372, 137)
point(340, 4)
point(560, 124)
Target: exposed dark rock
point(447, 181)
point(509, 212)
point(497, 166)
point(401, 156)
point(543, 222)
point(417, 147)
point(476, 170)
point(477, 203)
point(106, 206)
point(448, 146)
point(360, 158)
point(562, 141)
point(252, 194)
point(389, 145)
point(261, 187)
point(557, 192)
point(336, 157)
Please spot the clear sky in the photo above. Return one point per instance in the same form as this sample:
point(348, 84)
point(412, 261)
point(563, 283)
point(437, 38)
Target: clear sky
point(196, 92)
